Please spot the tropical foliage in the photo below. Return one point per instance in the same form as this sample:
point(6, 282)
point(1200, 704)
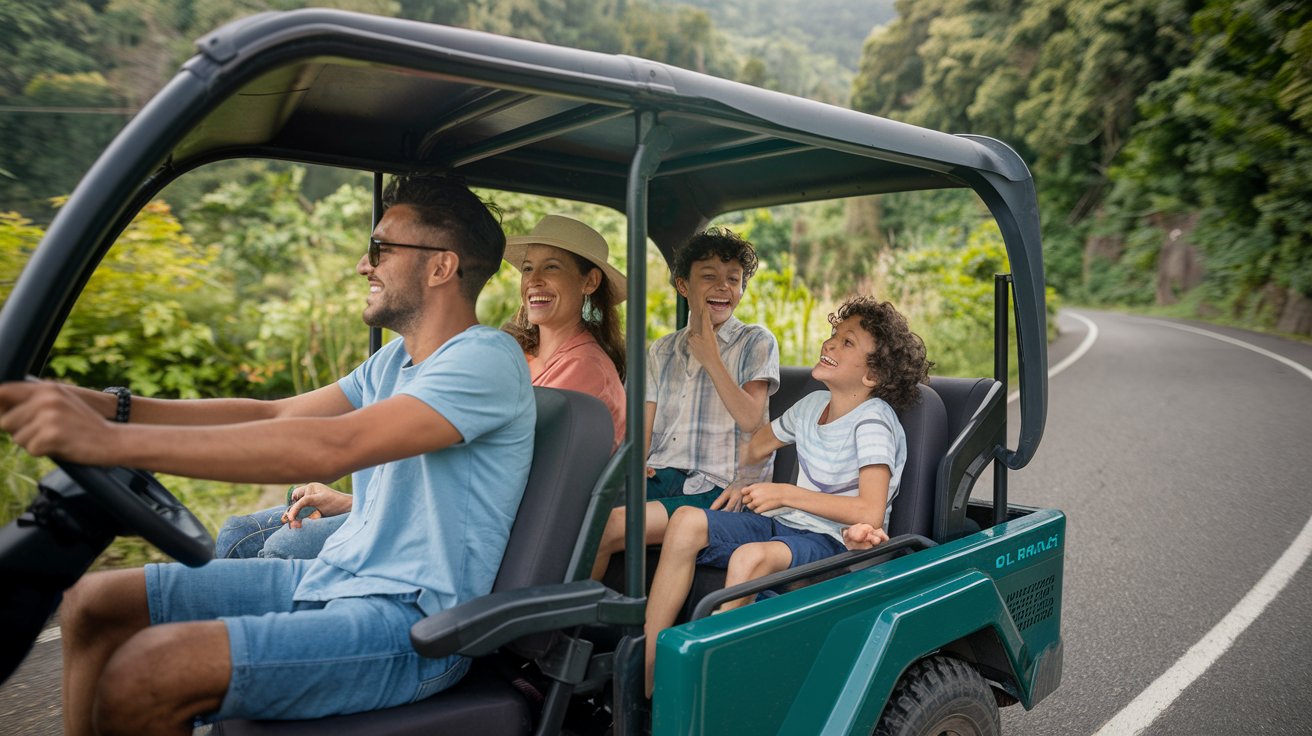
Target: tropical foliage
point(1169, 140)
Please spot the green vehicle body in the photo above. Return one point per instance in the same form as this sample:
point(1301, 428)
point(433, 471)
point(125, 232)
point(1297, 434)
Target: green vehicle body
point(992, 598)
point(671, 149)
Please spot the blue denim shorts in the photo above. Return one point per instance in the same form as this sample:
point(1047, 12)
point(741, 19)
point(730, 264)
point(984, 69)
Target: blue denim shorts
point(300, 659)
point(729, 530)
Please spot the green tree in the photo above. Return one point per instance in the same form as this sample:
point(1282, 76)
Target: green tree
point(44, 37)
point(1229, 136)
point(49, 151)
point(139, 322)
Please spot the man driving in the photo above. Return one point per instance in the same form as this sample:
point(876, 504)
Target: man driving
point(437, 430)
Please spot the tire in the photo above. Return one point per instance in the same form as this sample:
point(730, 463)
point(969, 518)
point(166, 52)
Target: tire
point(940, 696)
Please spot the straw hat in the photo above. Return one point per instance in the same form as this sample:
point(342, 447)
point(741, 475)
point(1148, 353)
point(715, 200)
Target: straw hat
point(569, 234)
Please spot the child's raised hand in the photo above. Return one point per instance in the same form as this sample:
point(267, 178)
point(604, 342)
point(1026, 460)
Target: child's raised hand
point(863, 536)
point(702, 343)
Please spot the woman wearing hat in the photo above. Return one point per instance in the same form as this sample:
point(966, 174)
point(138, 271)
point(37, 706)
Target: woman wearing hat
point(568, 324)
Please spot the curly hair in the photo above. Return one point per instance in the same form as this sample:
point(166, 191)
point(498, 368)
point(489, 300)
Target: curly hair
point(898, 361)
point(718, 242)
point(603, 322)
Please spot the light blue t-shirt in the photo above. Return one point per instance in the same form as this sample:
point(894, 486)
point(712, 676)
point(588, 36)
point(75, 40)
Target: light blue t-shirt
point(436, 523)
point(830, 456)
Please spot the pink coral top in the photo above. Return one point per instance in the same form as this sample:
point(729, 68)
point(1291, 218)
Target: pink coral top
point(581, 365)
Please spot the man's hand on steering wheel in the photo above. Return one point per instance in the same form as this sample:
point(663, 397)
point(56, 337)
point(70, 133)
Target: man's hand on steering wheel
point(49, 419)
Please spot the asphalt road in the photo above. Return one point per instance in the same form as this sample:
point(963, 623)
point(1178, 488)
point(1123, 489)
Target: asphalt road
point(1183, 465)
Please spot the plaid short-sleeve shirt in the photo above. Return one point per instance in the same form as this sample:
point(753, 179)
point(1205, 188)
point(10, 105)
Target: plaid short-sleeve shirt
point(693, 430)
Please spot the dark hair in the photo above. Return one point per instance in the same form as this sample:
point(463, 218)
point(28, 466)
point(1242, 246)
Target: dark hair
point(605, 329)
point(718, 242)
point(470, 227)
point(898, 361)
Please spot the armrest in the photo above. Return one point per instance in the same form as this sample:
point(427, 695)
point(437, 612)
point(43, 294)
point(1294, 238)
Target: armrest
point(482, 625)
point(912, 542)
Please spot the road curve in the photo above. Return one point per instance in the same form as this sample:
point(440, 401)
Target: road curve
point(1183, 465)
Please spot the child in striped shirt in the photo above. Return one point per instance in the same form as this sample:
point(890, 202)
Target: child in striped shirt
point(850, 451)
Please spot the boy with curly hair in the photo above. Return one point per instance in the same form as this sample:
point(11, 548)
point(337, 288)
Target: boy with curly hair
point(850, 449)
point(707, 385)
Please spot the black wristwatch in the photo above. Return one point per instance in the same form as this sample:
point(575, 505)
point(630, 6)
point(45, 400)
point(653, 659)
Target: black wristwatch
point(124, 408)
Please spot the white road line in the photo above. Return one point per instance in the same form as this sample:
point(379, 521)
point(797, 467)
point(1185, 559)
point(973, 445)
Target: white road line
point(1090, 337)
point(50, 634)
point(1159, 696)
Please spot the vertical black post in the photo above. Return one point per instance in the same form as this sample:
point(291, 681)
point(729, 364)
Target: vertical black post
point(1001, 354)
point(376, 333)
point(652, 141)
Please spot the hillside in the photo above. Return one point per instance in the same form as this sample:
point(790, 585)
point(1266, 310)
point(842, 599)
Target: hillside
point(834, 28)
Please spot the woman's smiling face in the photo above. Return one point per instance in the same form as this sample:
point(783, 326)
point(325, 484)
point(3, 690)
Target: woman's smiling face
point(552, 287)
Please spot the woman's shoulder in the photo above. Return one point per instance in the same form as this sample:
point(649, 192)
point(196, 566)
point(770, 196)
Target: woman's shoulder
point(581, 361)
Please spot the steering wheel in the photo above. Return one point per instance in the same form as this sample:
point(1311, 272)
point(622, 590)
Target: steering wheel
point(143, 505)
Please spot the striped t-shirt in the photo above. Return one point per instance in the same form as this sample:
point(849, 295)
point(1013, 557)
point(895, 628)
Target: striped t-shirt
point(830, 456)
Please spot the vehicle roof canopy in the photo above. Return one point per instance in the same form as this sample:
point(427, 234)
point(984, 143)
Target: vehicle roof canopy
point(388, 95)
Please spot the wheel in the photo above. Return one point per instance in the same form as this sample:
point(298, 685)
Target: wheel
point(940, 696)
point(144, 506)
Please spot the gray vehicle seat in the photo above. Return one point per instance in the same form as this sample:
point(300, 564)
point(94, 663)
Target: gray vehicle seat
point(572, 444)
point(962, 397)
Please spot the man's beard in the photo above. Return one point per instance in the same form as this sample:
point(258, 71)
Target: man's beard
point(398, 309)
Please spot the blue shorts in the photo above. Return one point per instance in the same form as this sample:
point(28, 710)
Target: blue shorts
point(300, 659)
point(729, 530)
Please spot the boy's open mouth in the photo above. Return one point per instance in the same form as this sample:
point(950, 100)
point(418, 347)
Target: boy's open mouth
point(717, 303)
point(828, 361)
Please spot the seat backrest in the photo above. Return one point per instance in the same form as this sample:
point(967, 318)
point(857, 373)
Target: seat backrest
point(962, 397)
point(926, 428)
point(571, 446)
point(977, 426)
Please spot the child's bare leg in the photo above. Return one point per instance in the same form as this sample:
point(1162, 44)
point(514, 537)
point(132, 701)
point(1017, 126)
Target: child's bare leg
point(612, 538)
point(752, 561)
point(685, 536)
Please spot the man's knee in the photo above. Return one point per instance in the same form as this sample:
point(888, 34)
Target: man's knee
point(163, 674)
point(103, 602)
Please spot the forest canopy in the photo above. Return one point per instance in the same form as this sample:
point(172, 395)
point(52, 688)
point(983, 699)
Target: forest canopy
point(1169, 139)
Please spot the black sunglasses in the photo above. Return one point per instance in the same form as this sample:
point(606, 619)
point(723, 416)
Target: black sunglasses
point(376, 251)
